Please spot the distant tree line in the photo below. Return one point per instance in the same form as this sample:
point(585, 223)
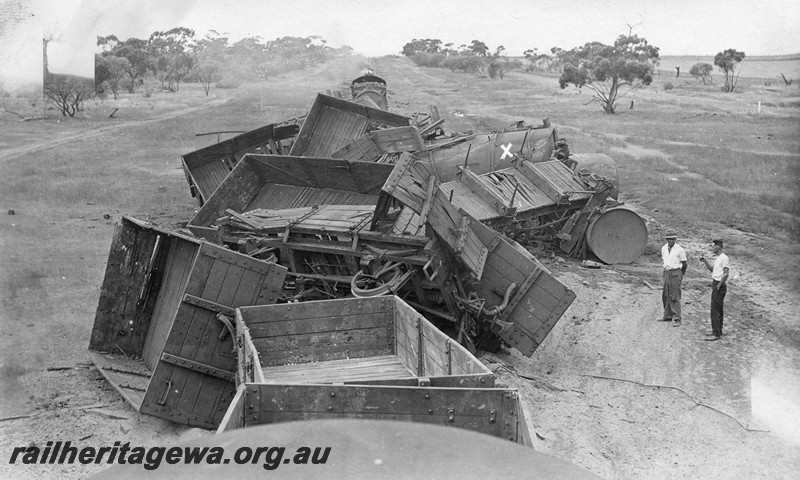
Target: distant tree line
point(472, 58)
point(168, 58)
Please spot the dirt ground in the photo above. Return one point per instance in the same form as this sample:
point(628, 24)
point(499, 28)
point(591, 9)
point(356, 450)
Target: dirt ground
point(611, 389)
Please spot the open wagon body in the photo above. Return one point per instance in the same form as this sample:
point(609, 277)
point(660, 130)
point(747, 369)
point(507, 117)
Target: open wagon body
point(320, 218)
point(372, 358)
point(207, 167)
point(332, 123)
point(284, 182)
point(162, 334)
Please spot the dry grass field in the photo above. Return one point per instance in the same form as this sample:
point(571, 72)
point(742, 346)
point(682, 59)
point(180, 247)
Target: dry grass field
point(690, 158)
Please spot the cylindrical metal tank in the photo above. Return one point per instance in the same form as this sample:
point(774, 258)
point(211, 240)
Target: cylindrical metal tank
point(617, 235)
point(492, 151)
point(370, 87)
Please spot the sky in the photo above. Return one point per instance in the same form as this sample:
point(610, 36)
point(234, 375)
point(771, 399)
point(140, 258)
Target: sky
point(380, 27)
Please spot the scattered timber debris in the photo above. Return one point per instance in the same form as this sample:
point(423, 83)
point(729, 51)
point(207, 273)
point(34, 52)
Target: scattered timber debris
point(352, 253)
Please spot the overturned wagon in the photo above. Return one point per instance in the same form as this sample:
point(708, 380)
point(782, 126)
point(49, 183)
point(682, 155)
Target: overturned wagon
point(372, 358)
point(325, 220)
point(163, 333)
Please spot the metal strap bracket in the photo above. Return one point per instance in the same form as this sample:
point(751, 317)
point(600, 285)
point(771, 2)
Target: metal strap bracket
point(523, 290)
point(209, 305)
point(198, 367)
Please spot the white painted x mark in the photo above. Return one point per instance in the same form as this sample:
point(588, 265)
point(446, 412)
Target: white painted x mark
point(506, 151)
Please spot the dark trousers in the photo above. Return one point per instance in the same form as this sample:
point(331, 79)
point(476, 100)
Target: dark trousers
point(717, 298)
point(671, 294)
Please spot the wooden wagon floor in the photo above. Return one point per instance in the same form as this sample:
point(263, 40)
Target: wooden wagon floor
point(336, 371)
point(129, 376)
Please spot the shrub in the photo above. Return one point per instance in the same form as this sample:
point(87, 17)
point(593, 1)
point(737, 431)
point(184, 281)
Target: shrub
point(668, 86)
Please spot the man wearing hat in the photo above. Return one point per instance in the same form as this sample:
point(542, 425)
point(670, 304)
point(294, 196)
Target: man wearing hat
point(675, 264)
point(719, 287)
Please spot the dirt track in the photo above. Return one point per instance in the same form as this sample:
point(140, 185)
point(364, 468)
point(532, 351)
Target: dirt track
point(615, 428)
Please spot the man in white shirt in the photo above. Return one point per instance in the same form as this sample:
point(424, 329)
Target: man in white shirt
point(674, 258)
point(719, 287)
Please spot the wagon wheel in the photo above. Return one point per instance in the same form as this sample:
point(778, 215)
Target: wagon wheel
point(381, 283)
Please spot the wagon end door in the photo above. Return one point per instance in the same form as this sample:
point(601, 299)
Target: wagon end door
point(536, 299)
point(193, 381)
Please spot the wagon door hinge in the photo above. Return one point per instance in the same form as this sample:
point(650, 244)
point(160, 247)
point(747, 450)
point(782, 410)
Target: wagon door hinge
point(451, 415)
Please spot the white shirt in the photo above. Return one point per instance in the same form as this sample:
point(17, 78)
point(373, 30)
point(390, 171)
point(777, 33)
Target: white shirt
point(673, 258)
point(720, 264)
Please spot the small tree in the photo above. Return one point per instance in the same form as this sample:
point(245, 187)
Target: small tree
point(559, 56)
point(479, 48)
point(502, 65)
point(114, 70)
point(68, 92)
point(727, 62)
point(207, 74)
point(702, 71)
point(605, 69)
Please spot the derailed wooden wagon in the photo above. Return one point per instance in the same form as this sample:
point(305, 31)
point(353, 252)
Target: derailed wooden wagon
point(468, 278)
point(163, 333)
point(332, 123)
point(207, 167)
point(303, 227)
point(370, 358)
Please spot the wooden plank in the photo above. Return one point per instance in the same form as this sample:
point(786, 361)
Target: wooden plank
point(435, 350)
point(188, 385)
point(234, 416)
point(368, 363)
point(180, 258)
point(313, 310)
point(277, 197)
point(324, 324)
point(129, 376)
point(465, 363)
point(457, 230)
point(485, 192)
point(406, 321)
point(334, 129)
point(478, 380)
point(371, 145)
point(525, 428)
point(462, 198)
point(117, 310)
point(491, 411)
point(362, 148)
point(323, 346)
point(339, 371)
point(398, 139)
point(218, 340)
point(235, 192)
